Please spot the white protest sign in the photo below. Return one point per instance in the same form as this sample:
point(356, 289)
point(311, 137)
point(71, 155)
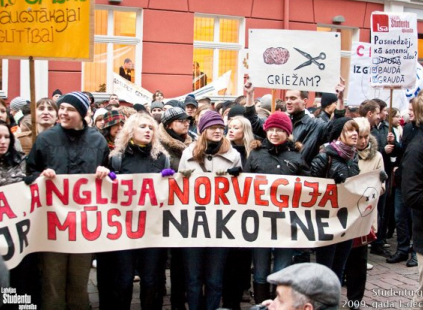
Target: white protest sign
point(359, 88)
point(294, 59)
point(410, 93)
point(82, 214)
point(394, 49)
point(129, 91)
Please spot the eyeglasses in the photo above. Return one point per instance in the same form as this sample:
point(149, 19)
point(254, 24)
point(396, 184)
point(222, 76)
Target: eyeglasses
point(183, 121)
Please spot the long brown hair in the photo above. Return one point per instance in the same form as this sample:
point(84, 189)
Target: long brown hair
point(199, 152)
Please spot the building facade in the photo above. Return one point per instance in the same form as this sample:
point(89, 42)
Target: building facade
point(179, 45)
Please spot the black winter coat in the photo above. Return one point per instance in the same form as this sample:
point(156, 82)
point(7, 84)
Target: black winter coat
point(320, 165)
point(138, 160)
point(412, 187)
point(67, 152)
point(270, 159)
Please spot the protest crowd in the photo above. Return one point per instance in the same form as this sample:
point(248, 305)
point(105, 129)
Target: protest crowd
point(76, 135)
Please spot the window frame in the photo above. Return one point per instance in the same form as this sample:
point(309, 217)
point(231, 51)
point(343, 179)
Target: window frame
point(5, 78)
point(111, 39)
point(216, 46)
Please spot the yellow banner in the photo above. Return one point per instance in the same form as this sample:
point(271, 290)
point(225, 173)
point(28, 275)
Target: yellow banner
point(46, 29)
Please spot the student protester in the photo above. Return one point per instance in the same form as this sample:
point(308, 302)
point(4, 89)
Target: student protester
point(137, 150)
point(191, 106)
point(158, 96)
point(56, 95)
point(369, 159)
point(156, 111)
point(211, 153)
point(237, 275)
point(173, 134)
point(113, 123)
point(70, 148)
point(339, 161)
point(98, 118)
point(276, 154)
point(328, 106)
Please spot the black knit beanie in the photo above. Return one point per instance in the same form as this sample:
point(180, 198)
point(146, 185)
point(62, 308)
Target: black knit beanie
point(78, 100)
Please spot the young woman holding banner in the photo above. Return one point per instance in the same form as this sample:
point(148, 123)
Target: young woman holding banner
point(137, 150)
point(338, 160)
point(211, 153)
point(274, 155)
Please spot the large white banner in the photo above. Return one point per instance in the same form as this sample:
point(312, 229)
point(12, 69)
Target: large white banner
point(394, 49)
point(294, 59)
point(359, 88)
point(129, 91)
point(80, 214)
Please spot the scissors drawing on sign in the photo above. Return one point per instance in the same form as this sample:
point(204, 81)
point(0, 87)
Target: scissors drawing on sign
point(311, 60)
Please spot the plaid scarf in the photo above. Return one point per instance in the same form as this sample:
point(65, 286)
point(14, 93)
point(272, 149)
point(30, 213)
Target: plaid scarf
point(345, 151)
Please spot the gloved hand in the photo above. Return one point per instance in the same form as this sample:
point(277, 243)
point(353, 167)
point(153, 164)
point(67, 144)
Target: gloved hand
point(383, 176)
point(339, 178)
point(235, 171)
point(167, 172)
point(186, 173)
point(221, 172)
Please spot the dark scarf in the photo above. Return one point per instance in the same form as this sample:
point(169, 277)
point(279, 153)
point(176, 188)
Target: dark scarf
point(142, 149)
point(276, 149)
point(240, 148)
point(213, 147)
point(344, 151)
point(174, 135)
point(297, 117)
point(73, 134)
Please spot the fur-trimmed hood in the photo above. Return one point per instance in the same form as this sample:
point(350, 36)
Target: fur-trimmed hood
point(370, 152)
point(171, 144)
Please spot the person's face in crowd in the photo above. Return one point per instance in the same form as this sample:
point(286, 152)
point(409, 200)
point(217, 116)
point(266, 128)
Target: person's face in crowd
point(331, 108)
point(159, 96)
point(69, 117)
point(89, 114)
point(235, 132)
point(349, 137)
point(276, 136)
point(180, 126)
point(4, 140)
point(190, 109)
point(3, 113)
point(294, 102)
point(157, 111)
point(203, 102)
point(214, 133)
point(396, 120)
point(127, 65)
point(46, 115)
point(384, 114)
point(363, 140)
point(115, 129)
point(143, 134)
point(374, 117)
point(55, 98)
point(284, 300)
point(114, 100)
point(411, 112)
point(99, 123)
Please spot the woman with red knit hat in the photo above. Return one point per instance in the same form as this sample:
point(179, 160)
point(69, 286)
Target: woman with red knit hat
point(274, 155)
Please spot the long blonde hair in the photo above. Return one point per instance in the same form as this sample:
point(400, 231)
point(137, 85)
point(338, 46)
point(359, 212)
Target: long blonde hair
point(247, 130)
point(127, 132)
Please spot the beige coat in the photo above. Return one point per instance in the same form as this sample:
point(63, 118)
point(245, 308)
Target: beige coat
point(213, 163)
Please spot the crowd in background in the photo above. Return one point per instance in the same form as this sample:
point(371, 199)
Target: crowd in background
point(77, 135)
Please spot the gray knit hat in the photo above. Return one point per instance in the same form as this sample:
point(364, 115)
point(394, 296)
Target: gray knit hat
point(174, 114)
point(18, 103)
point(156, 105)
point(315, 281)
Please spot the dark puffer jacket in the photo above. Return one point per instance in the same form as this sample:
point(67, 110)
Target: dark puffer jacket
point(270, 159)
point(67, 152)
point(12, 170)
point(138, 159)
point(338, 166)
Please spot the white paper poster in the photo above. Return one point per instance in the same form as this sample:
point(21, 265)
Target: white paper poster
point(294, 59)
point(359, 88)
point(129, 91)
point(394, 49)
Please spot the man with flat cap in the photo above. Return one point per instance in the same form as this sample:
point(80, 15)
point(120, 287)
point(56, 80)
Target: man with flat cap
point(306, 286)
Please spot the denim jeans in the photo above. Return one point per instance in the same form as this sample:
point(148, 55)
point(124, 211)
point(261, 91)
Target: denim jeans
point(334, 256)
point(403, 223)
point(282, 257)
point(204, 266)
point(115, 276)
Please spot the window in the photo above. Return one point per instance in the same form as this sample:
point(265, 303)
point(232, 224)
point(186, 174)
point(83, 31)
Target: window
point(116, 39)
point(217, 45)
point(348, 35)
point(3, 77)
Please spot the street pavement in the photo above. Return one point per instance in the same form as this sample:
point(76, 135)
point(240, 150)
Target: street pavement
point(389, 286)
